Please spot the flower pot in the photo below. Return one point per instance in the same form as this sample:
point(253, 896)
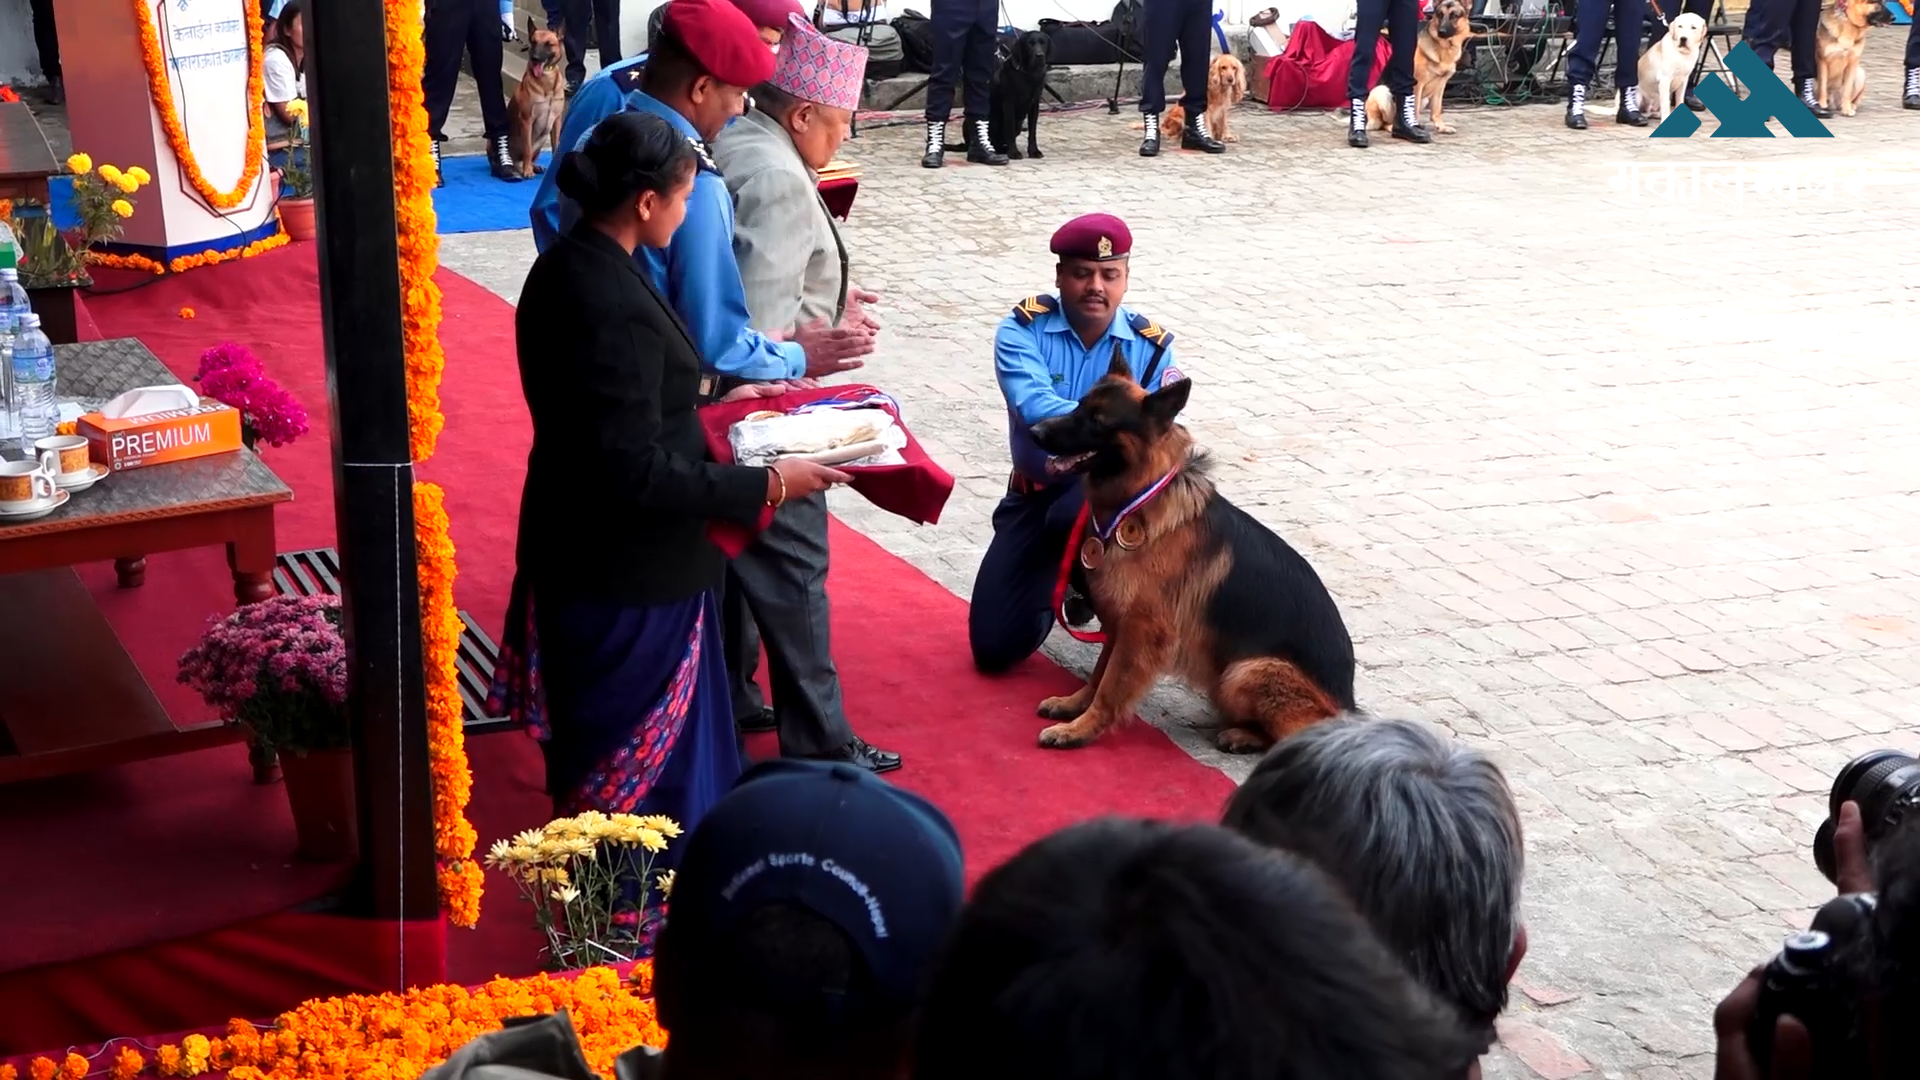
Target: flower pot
point(320, 790)
point(296, 217)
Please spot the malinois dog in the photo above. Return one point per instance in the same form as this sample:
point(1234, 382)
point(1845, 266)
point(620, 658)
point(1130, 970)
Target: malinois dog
point(535, 111)
point(1185, 583)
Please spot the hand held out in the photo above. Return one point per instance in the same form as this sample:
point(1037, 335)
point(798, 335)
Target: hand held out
point(797, 478)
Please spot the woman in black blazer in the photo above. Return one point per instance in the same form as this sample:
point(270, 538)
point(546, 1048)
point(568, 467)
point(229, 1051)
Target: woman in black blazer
point(612, 651)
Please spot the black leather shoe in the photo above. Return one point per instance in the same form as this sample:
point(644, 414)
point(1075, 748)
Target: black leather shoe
point(1694, 102)
point(866, 757)
point(1912, 100)
point(1577, 108)
point(1078, 610)
point(1406, 121)
point(1357, 123)
point(980, 149)
point(1810, 97)
point(1150, 134)
point(1629, 113)
point(1195, 136)
point(757, 723)
point(936, 154)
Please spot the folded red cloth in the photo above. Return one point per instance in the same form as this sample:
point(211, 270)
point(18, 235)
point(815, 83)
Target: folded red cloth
point(916, 491)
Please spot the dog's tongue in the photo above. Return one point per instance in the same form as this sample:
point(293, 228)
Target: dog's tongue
point(536, 69)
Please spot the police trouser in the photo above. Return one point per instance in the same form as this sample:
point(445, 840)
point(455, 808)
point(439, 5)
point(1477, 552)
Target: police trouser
point(776, 595)
point(1012, 607)
point(1772, 25)
point(1913, 44)
point(472, 27)
point(1402, 20)
point(45, 38)
point(1590, 28)
point(604, 17)
point(1164, 24)
point(965, 37)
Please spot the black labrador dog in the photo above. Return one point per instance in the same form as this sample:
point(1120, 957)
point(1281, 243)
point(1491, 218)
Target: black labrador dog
point(1018, 85)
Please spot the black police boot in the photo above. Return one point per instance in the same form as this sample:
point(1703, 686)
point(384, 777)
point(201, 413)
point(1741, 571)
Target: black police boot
point(1577, 108)
point(1810, 97)
point(1150, 134)
point(434, 147)
point(573, 87)
point(500, 161)
point(1077, 609)
point(1406, 120)
point(1913, 88)
point(1195, 135)
point(980, 149)
point(936, 154)
point(1693, 100)
point(1357, 123)
point(1629, 113)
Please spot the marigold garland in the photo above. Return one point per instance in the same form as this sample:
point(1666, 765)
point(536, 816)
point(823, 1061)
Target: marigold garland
point(453, 836)
point(413, 207)
point(160, 89)
point(397, 1036)
point(261, 246)
point(125, 262)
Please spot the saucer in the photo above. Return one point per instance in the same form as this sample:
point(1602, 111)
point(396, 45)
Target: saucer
point(8, 514)
point(95, 473)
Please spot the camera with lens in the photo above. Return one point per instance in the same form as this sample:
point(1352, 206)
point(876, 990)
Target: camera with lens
point(1886, 786)
point(1814, 977)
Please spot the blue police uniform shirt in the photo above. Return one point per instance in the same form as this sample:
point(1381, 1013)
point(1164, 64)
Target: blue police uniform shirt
point(1044, 369)
point(698, 272)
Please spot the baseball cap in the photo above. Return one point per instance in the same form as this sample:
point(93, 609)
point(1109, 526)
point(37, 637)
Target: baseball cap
point(881, 864)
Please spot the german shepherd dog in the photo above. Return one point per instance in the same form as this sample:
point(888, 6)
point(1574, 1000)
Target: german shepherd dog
point(1842, 37)
point(538, 105)
point(1188, 585)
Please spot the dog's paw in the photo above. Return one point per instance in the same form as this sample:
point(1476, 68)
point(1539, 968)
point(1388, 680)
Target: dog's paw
point(1035, 154)
point(538, 169)
point(1231, 137)
point(1014, 154)
point(1239, 740)
point(1061, 737)
point(1066, 707)
point(1445, 129)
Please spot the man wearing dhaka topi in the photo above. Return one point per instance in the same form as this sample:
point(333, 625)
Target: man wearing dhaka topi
point(1046, 355)
point(793, 269)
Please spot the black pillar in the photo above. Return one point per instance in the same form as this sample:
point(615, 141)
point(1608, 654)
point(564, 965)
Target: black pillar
point(360, 309)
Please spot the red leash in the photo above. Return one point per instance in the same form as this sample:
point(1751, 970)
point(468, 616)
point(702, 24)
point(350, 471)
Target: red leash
point(1066, 572)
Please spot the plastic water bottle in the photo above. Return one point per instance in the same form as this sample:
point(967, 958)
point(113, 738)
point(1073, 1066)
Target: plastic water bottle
point(33, 379)
point(11, 306)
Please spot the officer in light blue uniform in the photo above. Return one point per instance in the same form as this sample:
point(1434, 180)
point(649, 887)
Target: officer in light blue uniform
point(610, 90)
point(1047, 355)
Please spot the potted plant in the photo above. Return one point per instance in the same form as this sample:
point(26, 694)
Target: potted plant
point(53, 262)
point(588, 878)
point(230, 374)
point(296, 178)
point(280, 668)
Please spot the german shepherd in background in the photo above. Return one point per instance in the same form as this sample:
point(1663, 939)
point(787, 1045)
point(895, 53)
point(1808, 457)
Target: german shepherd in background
point(1189, 585)
point(1841, 83)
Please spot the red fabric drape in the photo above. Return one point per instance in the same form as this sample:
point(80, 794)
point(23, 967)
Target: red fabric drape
point(1312, 73)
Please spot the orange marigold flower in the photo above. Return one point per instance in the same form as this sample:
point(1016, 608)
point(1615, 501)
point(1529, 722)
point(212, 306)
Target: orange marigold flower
point(169, 1057)
point(74, 1067)
point(186, 313)
point(42, 1068)
point(127, 1064)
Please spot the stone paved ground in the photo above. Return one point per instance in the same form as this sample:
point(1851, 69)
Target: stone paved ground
point(1622, 493)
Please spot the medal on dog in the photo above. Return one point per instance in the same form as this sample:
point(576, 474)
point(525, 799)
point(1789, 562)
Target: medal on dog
point(1131, 534)
point(1092, 553)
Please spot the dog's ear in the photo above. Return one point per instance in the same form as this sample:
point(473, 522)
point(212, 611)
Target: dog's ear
point(1118, 365)
point(529, 28)
point(1165, 403)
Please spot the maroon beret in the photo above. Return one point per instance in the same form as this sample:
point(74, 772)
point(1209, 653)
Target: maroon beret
point(770, 14)
point(722, 38)
point(1099, 237)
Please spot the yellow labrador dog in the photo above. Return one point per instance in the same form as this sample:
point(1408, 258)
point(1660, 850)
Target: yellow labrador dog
point(1665, 68)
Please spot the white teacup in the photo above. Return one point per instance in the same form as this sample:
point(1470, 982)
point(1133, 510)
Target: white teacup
point(25, 485)
point(68, 457)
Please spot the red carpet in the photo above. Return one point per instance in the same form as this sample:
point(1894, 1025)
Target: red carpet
point(205, 849)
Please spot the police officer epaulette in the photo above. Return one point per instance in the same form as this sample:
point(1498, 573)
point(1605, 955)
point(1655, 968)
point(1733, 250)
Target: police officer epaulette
point(1159, 336)
point(628, 78)
point(1033, 307)
point(706, 158)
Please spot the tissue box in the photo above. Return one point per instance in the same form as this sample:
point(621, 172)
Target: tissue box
point(174, 435)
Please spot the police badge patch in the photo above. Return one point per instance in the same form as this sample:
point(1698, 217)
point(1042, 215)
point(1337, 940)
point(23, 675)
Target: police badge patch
point(1172, 376)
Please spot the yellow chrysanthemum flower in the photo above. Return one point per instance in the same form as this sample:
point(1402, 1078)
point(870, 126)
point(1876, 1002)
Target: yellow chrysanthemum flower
point(297, 108)
point(122, 208)
point(652, 841)
point(661, 824)
point(110, 174)
point(79, 164)
point(127, 184)
point(664, 882)
point(140, 176)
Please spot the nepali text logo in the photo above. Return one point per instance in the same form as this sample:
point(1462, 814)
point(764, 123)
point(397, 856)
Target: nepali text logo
point(1767, 98)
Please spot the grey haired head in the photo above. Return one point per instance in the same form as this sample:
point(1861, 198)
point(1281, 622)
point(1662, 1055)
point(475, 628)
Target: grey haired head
point(1421, 830)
